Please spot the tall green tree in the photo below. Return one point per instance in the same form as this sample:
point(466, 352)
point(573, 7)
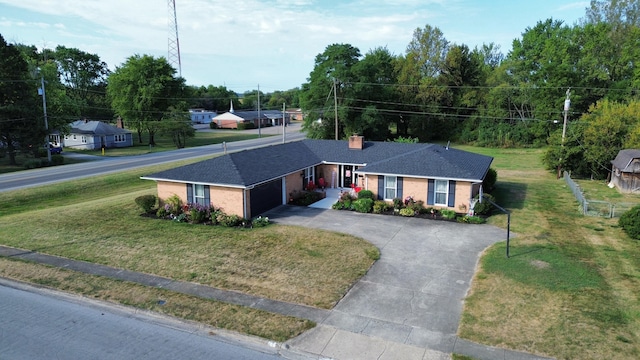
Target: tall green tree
point(334, 65)
point(619, 13)
point(176, 124)
point(20, 124)
point(374, 95)
point(462, 74)
point(142, 90)
point(418, 72)
point(84, 76)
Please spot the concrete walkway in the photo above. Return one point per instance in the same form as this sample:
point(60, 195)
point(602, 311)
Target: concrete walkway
point(407, 306)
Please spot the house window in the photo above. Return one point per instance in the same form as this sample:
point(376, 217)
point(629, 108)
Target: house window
point(441, 191)
point(74, 136)
point(198, 194)
point(119, 138)
point(84, 139)
point(308, 175)
point(390, 187)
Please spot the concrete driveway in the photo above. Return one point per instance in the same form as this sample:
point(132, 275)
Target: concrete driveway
point(412, 297)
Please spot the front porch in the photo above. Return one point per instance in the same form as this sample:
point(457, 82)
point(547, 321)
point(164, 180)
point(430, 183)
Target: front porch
point(333, 194)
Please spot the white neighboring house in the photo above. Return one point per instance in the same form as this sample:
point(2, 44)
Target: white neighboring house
point(93, 135)
point(202, 116)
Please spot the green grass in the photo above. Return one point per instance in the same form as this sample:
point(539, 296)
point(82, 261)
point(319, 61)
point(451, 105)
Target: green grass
point(545, 266)
point(570, 289)
point(213, 313)
point(279, 262)
point(165, 144)
point(73, 192)
point(162, 144)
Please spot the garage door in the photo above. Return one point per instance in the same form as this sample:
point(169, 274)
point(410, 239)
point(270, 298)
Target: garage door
point(265, 197)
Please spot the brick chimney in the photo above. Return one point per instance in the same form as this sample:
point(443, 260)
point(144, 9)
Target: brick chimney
point(356, 142)
point(119, 123)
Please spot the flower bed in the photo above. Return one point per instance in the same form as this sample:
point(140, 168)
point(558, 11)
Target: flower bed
point(363, 202)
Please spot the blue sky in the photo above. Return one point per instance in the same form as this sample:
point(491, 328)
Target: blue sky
point(273, 43)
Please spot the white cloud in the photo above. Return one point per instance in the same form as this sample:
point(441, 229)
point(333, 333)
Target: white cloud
point(265, 40)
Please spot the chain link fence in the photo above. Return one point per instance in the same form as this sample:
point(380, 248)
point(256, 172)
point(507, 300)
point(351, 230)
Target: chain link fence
point(600, 208)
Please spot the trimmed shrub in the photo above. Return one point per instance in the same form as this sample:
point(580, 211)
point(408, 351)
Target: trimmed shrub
point(490, 180)
point(471, 219)
point(229, 220)
point(57, 159)
point(484, 207)
point(630, 222)
point(36, 163)
point(365, 194)
point(260, 221)
point(364, 205)
point(347, 204)
point(380, 206)
point(146, 202)
point(213, 125)
point(161, 213)
point(198, 213)
point(173, 205)
point(407, 212)
point(398, 203)
point(417, 206)
point(448, 214)
point(246, 126)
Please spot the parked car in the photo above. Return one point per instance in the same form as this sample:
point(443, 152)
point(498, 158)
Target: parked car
point(55, 149)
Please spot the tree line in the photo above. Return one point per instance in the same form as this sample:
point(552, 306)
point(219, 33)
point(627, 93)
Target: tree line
point(145, 92)
point(435, 91)
point(443, 91)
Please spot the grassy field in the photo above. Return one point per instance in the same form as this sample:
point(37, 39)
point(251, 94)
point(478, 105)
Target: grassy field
point(96, 220)
point(162, 144)
point(571, 287)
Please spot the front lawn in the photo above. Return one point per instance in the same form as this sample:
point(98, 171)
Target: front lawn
point(571, 287)
point(97, 220)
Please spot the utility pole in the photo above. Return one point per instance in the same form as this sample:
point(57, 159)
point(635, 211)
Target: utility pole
point(46, 122)
point(567, 105)
point(284, 122)
point(259, 117)
point(335, 105)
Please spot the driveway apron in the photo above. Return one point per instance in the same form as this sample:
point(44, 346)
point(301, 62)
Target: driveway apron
point(414, 294)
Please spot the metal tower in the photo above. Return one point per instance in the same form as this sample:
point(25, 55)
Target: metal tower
point(174, 44)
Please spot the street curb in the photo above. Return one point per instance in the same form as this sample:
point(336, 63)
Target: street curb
point(192, 327)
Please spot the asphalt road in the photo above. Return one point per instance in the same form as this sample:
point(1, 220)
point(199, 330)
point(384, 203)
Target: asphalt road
point(39, 324)
point(106, 165)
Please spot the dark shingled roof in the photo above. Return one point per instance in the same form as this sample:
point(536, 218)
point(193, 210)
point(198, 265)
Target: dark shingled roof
point(94, 127)
point(255, 166)
point(624, 158)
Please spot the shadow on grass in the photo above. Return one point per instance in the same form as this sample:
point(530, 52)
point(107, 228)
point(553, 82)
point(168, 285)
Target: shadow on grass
point(510, 195)
point(523, 251)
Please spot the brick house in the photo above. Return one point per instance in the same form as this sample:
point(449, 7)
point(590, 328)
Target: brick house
point(250, 182)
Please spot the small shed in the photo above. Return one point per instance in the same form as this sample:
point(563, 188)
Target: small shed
point(625, 171)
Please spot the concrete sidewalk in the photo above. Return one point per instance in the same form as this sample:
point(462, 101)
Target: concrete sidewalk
point(407, 306)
